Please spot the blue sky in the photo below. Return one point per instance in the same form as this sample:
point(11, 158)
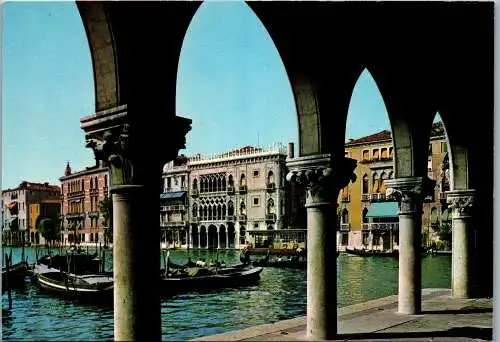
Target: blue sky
point(229, 69)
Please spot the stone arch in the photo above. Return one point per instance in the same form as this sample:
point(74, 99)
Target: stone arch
point(102, 44)
point(270, 177)
point(212, 237)
point(270, 206)
point(222, 236)
point(231, 234)
point(203, 237)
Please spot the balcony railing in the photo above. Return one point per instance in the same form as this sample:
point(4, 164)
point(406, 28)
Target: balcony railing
point(76, 193)
point(365, 197)
point(384, 226)
point(230, 190)
point(345, 226)
point(243, 189)
point(242, 218)
point(346, 198)
point(270, 217)
point(230, 218)
point(173, 223)
point(271, 186)
point(179, 207)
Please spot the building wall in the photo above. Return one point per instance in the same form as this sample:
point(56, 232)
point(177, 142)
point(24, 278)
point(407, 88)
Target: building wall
point(82, 193)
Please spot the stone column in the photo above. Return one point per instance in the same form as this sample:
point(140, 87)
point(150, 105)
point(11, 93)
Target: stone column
point(199, 238)
point(227, 239)
point(207, 240)
point(218, 238)
point(134, 190)
point(323, 183)
point(409, 193)
point(461, 202)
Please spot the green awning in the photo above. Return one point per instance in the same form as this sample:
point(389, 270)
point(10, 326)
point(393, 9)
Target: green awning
point(434, 216)
point(446, 216)
point(383, 209)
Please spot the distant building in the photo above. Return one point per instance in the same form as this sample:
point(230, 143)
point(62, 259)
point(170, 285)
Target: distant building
point(369, 218)
point(19, 221)
point(82, 192)
point(227, 200)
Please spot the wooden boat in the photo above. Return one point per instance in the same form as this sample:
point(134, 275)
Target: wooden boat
point(79, 286)
point(372, 253)
point(203, 279)
point(78, 263)
point(17, 274)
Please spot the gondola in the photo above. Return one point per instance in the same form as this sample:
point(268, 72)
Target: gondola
point(78, 264)
point(91, 286)
point(204, 279)
point(372, 253)
point(17, 274)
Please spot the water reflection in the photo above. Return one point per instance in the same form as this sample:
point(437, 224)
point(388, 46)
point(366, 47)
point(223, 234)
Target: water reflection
point(281, 294)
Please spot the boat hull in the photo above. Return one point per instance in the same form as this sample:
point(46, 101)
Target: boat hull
point(85, 287)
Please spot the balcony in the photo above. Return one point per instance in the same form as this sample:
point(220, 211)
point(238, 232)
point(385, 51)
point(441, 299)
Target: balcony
point(346, 198)
point(74, 215)
point(270, 217)
point(194, 192)
point(365, 197)
point(173, 224)
point(179, 207)
point(230, 218)
point(242, 218)
point(243, 189)
point(271, 186)
point(384, 226)
point(344, 227)
point(230, 190)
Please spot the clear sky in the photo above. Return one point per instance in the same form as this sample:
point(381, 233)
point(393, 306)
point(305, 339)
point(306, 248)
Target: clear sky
point(229, 69)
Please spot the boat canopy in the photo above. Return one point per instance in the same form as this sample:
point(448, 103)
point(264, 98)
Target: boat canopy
point(383, 209)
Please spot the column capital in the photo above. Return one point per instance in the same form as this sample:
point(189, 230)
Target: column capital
point(409, 192)
point(461, 201)
point(321, 177)
point(123, 149)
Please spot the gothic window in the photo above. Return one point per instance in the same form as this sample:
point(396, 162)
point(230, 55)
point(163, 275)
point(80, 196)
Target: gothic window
point(345, 216)
point(366, 155)
point(270, 177)
point(195, 184)
point(223, 183)
point(242, 208)
point(195, 210)
point(375, 183)
point(91, 183)
point(365, 184)
point(230, 208)
point(205, 213)
point(219, 184)
point(384, 153)
point(230, 181)
point(223, 210)
point(243, 180)
point(365, 211)
point(375, 154)
point(96, 183)
point(390, 152)
point(219, 212)
point(105, 181)
point(270, 206)
point(210, 212)
point(383, 177)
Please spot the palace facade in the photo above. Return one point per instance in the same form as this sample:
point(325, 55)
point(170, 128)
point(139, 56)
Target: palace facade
point(24, 206)
point(228, 200)
point(82, 192)
point(367, 216)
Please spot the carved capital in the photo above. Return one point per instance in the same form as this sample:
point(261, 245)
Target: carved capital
point(409, 192)
point(461, 202)
point(321, 180)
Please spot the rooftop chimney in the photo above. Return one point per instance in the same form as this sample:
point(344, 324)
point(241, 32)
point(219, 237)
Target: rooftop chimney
point(291, 150)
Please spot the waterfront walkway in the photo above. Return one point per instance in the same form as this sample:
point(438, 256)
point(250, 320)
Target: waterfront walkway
point(444, 318)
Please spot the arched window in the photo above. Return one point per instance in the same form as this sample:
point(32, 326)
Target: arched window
point(383, 153)
point(383, 177)
point(219, 212)
point(195, 184)
point(195, 210)
point(205, 213)
point(365, 184)
point(223, 210)
point(365, 211)
point(270, 206)
point(345, 216)
point(91, 183)
point(230, 208)
point(366, 155)
point(375, 154)
point(96, 183)
point(243, 180)
point(105, 181)
point(223, 183)
point(242, 208)
point(210, 212)
point(230, 180)
point(390, 152)
point(219, 184)
point(270, 177)
point(375, 183)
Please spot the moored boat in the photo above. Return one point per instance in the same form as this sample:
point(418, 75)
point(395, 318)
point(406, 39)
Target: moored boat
point(372, 253)
point(79, 286)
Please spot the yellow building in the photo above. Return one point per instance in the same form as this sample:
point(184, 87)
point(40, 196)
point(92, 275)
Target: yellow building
point(44, 209)
point(367, 217)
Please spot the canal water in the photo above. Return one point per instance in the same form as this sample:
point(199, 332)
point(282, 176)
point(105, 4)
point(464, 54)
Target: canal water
point(280, 294)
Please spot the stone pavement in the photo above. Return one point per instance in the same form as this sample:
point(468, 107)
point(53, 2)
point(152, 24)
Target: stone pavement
point(443, 319)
